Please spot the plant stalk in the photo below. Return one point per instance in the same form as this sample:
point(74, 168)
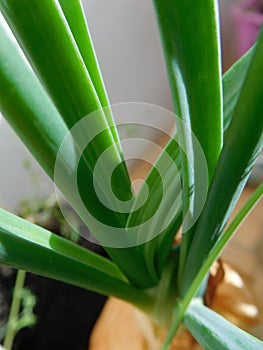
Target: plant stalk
point(14, 311)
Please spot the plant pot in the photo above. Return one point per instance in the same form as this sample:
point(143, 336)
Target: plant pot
point(121, 326)
point(248, 18)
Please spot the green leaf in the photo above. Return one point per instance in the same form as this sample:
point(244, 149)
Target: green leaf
point(190, 36)
point(75, 16)
point(204, 323)
point(43, 33)
point(243, 142)
point(194, 73)
point(26, 105)
point(159, 218)
point(233, 81)
point(30, 247)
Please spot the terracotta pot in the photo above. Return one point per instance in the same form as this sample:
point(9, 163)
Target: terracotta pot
point(121, 326)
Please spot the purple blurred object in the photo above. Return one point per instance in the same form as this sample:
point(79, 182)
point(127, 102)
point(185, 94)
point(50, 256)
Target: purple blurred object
point(248, 17)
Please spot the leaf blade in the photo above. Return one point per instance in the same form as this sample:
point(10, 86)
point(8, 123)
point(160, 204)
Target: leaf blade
point(162, 206)
point(233, 80)
point(26, 105)
point(75, 16)
point(194, 72)
point(243, 142)
point(35, 249)
point(195, 75)
point(203, 324)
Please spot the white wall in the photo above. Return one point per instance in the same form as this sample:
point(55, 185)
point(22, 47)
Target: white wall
point(228, 32)
point(126, 39)
point(127, 42)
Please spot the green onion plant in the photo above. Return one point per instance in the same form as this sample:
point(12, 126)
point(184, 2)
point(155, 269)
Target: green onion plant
point(50, 82)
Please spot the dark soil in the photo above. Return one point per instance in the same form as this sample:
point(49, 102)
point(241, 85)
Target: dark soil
point(65, 313)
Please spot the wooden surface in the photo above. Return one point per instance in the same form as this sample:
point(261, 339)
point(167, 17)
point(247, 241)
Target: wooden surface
point(245, 251)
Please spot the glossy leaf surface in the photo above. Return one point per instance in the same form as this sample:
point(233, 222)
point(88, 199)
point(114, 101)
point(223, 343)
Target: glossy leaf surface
point(28, 246)
point(204, 323)
point(243, 141)
point(190, 36)
point(75, 16)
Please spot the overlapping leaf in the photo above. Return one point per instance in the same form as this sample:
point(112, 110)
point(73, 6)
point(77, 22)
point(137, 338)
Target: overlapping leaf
point(204, 323)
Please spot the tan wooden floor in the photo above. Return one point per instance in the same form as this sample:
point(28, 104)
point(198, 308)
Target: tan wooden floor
point(245, 251)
